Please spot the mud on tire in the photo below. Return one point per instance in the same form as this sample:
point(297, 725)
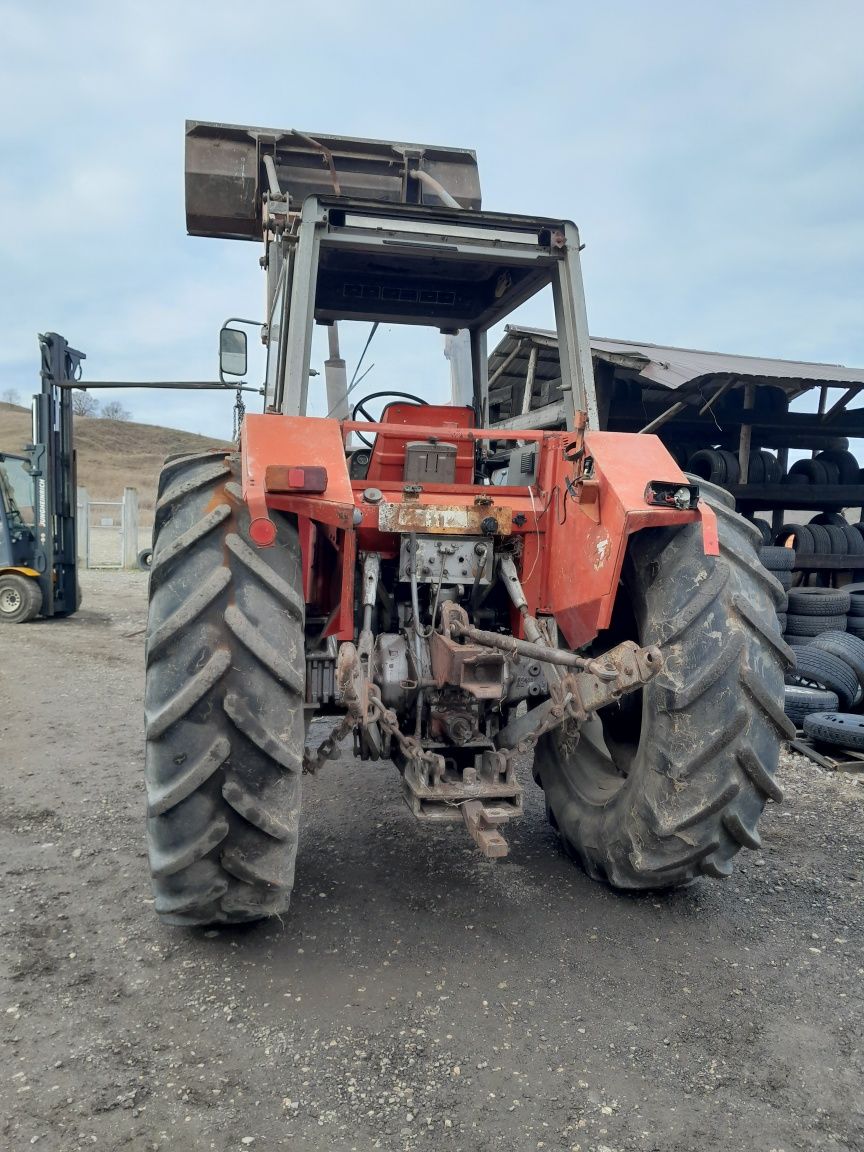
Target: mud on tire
point(675, 786)
point(223, 702)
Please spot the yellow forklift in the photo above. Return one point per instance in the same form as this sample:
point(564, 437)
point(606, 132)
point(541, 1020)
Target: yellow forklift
point(38, 548)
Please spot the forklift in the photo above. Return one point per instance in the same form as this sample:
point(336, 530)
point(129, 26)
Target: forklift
point(38, 546)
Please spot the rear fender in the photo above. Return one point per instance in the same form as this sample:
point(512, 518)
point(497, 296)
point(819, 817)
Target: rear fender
point(325, 519)
point(589, 532)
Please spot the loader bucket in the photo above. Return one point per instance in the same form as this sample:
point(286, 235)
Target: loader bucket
point(226, 178)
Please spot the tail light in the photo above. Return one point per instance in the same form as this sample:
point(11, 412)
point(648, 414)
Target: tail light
point(286, 478)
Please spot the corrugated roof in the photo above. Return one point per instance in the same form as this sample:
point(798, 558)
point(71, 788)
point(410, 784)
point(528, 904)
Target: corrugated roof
point(660, 370)
point(675, 367)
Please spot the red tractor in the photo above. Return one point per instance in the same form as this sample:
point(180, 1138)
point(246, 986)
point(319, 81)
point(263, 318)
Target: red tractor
point(454, 596)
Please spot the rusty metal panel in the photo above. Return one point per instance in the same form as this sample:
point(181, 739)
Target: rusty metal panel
point(446, 519)
point(437, 560)
point(225, 179)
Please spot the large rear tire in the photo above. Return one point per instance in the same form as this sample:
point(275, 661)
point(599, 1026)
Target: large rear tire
point(675, 785)
point(223, 702)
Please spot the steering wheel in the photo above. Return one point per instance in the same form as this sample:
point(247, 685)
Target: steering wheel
point(360, 407)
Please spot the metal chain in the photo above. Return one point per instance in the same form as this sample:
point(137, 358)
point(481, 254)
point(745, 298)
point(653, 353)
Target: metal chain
point(327, 749)
point(411, 748)
point(239, 413)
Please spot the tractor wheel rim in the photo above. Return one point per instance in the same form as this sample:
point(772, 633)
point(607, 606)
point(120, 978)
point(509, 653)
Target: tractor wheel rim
point(10, 600)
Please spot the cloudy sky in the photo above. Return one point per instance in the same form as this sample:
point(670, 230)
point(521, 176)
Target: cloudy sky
point(711, 153)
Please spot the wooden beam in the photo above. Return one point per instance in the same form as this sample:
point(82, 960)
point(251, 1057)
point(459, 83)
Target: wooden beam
point(502, 368)
point(842, 403)
point(746, 437)
point(529, 379)
point(721, 391)
point(660, 420)
point(551, 416)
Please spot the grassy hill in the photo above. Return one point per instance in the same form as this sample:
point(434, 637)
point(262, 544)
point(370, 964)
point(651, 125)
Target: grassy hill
point(112, 454)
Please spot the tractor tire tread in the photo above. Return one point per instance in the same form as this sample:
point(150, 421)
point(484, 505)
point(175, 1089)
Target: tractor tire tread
point(684, 811)
point(223, 775)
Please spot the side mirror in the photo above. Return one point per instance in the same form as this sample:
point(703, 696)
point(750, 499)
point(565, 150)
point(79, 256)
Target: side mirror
point(232, 352)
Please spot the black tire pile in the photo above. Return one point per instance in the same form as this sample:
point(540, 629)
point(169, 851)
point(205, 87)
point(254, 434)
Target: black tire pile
point(823, 626)
point(779, 562)
point(825, 691)
point(720, 466)
point(831, 467)
point(828, 534)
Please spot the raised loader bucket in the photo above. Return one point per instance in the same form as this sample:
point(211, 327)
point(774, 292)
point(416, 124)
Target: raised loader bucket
point(226, 177)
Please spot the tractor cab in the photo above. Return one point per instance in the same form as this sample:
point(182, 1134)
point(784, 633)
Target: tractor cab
point(387, 234)
point(410, 265)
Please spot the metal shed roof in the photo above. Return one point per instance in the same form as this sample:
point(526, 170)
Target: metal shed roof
point(659, 369)
point(674, 368)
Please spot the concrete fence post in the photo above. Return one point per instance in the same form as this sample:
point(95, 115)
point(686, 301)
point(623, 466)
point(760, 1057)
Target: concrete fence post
point(82, 518)
point(130, 527)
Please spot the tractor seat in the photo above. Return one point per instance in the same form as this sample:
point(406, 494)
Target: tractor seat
point(399, 458)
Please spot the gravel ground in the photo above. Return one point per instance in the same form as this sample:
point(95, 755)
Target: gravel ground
point(417, 996)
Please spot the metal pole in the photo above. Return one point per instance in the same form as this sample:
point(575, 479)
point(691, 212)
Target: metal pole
point(480, 375)
point(516, 647)
point(335, 377)
point(457, 350)
point(195, 385)
point(301, 316)
point(578, 391)
point(272, 178)
point(439, 189)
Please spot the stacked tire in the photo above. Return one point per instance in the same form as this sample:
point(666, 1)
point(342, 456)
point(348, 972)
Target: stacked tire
point(828, 677)
point(831, 467)
point(828, 534)
point(779, 562)
point(855, 619)
point(813, 611)
point(835, 466)
point(720, 466)
point(832, 665)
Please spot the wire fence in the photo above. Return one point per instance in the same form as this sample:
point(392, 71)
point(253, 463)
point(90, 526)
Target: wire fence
point(109, 534)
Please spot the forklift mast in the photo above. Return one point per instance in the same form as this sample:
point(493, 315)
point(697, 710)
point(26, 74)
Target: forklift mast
point(54, 473)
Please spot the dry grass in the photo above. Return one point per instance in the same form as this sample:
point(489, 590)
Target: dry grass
point(112, 454)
